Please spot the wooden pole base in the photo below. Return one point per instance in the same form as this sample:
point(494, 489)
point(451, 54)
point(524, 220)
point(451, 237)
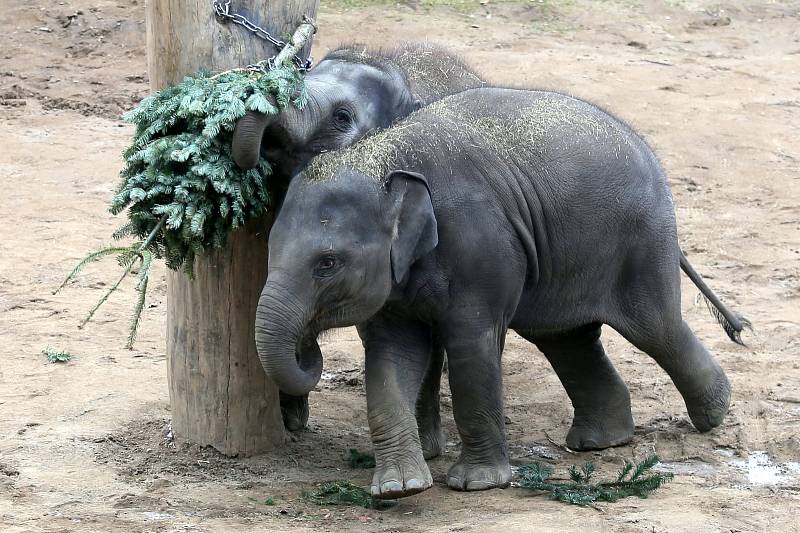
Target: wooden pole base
point(219, 394)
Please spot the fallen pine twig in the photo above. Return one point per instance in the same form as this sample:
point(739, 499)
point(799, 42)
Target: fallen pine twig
point(632, 480)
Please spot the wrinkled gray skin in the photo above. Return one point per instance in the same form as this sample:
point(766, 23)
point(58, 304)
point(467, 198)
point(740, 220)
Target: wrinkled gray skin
point(491, 209)
point(352, 92)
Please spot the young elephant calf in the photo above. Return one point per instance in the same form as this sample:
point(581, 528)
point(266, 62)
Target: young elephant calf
point(491, 209)
point(352, 92)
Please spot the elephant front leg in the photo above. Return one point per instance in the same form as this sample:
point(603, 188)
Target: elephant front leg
point(476, 384)
point(397, 357)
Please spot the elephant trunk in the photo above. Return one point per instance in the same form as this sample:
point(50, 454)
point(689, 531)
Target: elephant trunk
point(284, 132)
point(247, 137)
point(288, 352)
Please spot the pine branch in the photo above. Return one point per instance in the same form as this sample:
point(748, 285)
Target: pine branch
point(624, 471)
point(345, 493)
point(301, 36)
point(179, 185)
point(180, 161)
point(581, 491)
point(141, 289)
point(105, 297)
point(127, 258)
point(648, 463)
point(92, 257)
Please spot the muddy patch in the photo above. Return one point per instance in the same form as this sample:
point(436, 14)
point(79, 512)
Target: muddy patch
point(145, 450)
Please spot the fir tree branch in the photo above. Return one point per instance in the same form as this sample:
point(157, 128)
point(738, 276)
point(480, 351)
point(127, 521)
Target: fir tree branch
point(139, 251)
point(149, 240)
point(92, 257)
point(105, 297)
point(343, 492)
point(180, 187)
point(581, 491)
point(141, 288)
point(301, 36)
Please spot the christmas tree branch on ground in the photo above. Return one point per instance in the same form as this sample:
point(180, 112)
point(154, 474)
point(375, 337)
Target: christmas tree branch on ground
point(345, 493)
point(580, 490)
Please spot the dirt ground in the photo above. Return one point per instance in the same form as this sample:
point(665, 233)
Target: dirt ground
point(714, 87)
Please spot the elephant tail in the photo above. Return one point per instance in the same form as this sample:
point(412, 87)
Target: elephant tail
point(731, 322)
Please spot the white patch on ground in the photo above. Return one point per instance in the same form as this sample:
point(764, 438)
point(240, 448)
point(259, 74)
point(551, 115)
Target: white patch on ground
point(150, 515)
point(535, 451)
point(687, 468)
point(760, 470)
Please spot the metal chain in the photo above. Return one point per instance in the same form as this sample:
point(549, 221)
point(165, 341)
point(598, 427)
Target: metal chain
point(222, 9)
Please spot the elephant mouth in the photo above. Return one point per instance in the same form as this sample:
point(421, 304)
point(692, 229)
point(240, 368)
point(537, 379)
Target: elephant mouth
point(276, 150)
point(308, 353)
point(334, 318)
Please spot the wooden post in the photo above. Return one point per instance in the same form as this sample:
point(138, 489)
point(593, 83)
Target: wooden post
point(219, 394)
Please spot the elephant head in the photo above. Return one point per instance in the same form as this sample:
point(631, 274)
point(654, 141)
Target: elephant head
point(337, 249)
point(353, 92)
point(347, 100)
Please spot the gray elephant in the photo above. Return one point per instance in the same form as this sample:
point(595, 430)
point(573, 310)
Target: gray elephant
point(488, 210)
point(352, 92)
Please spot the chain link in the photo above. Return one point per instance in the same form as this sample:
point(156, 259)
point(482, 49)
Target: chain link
point(222, 9)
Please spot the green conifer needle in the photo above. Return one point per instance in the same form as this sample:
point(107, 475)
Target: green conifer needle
point(632, 480)
point(345, 493)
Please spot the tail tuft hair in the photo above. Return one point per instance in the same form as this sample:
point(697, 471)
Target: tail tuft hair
point(731, 322)
point(733, 328)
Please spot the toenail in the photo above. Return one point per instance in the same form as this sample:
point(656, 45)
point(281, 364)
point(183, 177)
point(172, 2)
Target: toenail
point(413, 484)
point(455, 482)
point(391, 486)
point(479, 485)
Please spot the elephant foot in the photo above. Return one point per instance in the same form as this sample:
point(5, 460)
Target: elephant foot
point(294, 410)
point(708, 409)
point(473, 475)
point(401, 477)
point(432, 440)
point(596, 431)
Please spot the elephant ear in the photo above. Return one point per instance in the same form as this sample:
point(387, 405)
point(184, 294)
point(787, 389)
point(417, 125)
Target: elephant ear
point(415, 232)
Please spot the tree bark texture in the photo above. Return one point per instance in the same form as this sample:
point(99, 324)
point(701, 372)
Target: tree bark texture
point(219, 394)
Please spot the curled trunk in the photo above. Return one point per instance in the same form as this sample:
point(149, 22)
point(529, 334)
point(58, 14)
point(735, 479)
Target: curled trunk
point(247, 136)
point(289, 354)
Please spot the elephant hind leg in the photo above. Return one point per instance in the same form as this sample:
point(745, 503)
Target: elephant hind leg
point(698, 377)
point(600, 398)
point(431, 435)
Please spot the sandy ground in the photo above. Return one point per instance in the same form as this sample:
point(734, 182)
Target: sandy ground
point(714, 87)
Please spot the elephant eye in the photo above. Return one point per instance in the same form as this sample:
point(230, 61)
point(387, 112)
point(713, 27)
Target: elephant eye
point(342, 118)
point(327, 265)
